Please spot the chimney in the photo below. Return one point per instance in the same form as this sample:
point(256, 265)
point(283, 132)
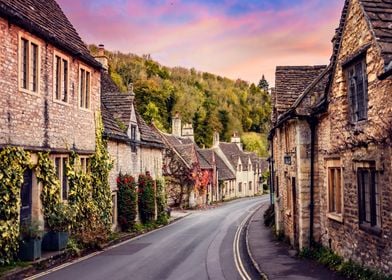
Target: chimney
point(187, 131)
point(102, 58)
point(176, 125)
point(215, 141)
point(236, 139)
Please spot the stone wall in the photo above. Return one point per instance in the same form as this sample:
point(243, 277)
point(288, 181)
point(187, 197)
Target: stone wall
point(355, 143)
point(36, 120)
point(151, 160)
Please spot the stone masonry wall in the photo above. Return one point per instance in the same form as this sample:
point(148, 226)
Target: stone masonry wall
point(36, 120)
point(151, 160)
point(353, 144)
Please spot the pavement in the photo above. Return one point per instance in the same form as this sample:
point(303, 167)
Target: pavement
point(275, 258)
point(198, 246)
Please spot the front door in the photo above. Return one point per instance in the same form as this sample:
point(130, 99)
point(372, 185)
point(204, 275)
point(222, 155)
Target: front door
point(25, 195)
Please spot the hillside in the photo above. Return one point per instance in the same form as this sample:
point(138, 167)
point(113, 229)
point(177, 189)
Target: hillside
point(208, 101)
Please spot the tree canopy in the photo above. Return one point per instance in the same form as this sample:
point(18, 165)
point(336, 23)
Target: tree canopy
point(209, 102)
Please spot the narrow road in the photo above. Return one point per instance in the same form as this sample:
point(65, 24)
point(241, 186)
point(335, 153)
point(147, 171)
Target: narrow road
point(199, 246)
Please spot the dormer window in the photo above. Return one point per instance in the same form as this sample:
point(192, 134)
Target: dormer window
point(133, 132)
point(357, 90)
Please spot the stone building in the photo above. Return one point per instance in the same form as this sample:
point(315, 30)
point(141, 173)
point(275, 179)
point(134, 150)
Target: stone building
point(134, 147)
point(49, 90)
point(344, 153)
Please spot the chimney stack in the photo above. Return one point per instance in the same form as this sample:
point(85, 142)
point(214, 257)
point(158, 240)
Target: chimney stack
point(236, 139)
point(176, 125)
point(187, 131)
point(216, 140)
point(102, 58)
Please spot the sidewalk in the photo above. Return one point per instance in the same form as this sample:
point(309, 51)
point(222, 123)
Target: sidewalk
point(274, 259)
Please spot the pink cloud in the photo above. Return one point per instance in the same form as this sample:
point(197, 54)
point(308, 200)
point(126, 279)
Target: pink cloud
point(194, 35)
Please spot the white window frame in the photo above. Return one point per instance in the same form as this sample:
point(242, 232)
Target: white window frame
point(31, 40)
point(66, 58)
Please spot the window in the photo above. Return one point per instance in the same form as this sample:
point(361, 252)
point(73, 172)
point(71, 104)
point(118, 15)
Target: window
point(289, 198)
point(250, 185)
point(357, 87)
point(239, 167)
point(84, 88)
point(60, 163)
point(60, 74)
point(85, 164)
point(277, 186)
point(133, 132)
point(335, 190)
point(114, 208)
point(368, 197)
point(239, 187)
point(28, 65)
point(286, 138)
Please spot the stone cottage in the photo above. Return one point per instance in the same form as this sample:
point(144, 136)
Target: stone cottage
point(344, 154)
point(49, 90)
point(134, 147)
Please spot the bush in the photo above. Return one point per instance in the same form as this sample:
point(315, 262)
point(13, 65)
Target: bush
point(146, 198)
point(269, 216)
point(127, 199)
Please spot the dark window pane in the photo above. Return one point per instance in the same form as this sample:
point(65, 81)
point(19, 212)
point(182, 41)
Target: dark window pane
point(65, 180)
point(24, 56)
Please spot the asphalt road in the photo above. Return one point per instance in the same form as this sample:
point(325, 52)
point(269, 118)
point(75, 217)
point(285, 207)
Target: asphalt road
point(199, 246)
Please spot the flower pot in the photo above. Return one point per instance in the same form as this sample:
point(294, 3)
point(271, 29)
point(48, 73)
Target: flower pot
point(55, 241)
point(30, 250)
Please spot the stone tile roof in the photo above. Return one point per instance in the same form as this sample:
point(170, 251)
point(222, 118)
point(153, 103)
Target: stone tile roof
point(291, 81)
point(224, 172)
point(111, 128)
point(45, 19)
point(119, 105)
point(148, 135)
point(187, 153)
point(107, 84)
point(379, 15)
point(206, 158)
point(231, 151)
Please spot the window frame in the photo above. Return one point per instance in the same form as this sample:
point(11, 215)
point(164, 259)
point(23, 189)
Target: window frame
point(354, 104)
point(31, 41)
point(88, 97)
point(335, 164)
point(67, 59)
point(375, 193)
point(61, 171)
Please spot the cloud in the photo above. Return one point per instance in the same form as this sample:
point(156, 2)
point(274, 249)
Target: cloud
point(233, 38)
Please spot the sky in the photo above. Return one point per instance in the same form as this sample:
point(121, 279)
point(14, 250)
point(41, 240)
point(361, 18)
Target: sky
point(233, 38)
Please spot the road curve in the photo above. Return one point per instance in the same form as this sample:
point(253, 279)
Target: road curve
point(199, 246)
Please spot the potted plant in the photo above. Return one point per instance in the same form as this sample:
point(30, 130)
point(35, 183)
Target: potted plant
point(58, 222)
point(30, 242)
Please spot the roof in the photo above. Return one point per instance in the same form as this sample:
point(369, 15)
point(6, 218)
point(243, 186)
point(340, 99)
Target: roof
point(224, 172)
point(45, 19)
point(119, 105)
point(232, 153)
point(379, 15)
point(107, 84)
point(148, 135)
point(111, 128)
point(291, 81)
point(187, 153)
point(206, 158)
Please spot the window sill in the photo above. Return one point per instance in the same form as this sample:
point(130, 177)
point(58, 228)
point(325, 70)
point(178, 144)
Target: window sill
point(61, 102)
point(85, 109)
point(375, 230)
point(336, 217)
point(29, 92)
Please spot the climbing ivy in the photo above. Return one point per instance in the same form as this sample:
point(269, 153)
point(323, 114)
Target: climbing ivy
point(146, 198)
point(161, 200)
point(46, 175)
point(13, 162)
point(101, 164)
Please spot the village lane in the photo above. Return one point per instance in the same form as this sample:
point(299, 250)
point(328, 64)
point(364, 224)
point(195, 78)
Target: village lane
point(200, 246)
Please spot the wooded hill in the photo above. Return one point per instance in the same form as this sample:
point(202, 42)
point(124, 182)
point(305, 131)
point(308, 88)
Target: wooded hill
point(208, 101)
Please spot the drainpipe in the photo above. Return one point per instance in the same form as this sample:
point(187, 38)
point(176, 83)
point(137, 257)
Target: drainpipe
point(271, 165)
point(312, 124)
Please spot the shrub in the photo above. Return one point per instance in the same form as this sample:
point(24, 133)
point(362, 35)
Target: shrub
point(146, 198)
point(161, 203)
point(127, 201)
point(269, 216)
